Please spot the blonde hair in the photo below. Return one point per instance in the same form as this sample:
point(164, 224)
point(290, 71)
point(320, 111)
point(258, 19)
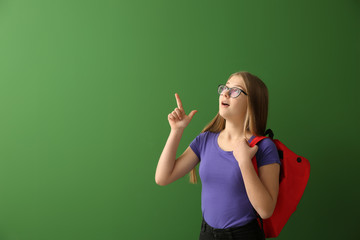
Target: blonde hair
point(256, 114)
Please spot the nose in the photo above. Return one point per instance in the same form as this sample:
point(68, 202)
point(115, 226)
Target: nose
point(226, 93)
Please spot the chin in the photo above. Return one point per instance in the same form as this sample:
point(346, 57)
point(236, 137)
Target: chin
point(222, 115)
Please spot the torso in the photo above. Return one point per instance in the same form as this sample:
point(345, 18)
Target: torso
point(229, 146)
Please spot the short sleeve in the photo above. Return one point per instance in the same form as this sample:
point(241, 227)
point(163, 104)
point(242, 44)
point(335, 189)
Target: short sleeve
point(267, 153)
point(196, 144)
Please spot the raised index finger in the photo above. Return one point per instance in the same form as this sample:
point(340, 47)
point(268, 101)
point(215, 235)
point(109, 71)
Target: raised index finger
point(178, 101)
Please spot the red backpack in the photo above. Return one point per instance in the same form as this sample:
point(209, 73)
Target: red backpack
point(294, 175)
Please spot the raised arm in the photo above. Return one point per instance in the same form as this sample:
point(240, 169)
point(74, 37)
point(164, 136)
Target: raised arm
point(178, 121)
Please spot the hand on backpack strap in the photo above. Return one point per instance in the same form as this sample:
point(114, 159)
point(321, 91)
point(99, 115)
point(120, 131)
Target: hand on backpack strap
point(243, 151)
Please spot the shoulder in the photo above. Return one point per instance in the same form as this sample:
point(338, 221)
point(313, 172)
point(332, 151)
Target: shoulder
point(201, 137)
point(204, 137)
point(267, 152)
point(205, 134)
point(199, 142)
point(267, 144)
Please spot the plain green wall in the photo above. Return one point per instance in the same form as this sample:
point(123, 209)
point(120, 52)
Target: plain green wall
point(86, 87)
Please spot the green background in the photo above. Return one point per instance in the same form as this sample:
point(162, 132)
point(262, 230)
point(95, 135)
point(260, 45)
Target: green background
point(86, 87)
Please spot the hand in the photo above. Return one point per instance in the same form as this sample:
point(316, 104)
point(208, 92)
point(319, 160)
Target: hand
point(177, 118)
point(243, 152)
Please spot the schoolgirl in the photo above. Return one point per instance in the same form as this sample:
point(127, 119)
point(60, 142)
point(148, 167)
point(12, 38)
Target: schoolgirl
point(232, 193)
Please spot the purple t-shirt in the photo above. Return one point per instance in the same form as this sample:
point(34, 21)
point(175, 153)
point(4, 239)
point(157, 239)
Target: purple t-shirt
point(224, 201)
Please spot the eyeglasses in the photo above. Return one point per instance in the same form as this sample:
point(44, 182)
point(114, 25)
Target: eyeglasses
point(234, 92)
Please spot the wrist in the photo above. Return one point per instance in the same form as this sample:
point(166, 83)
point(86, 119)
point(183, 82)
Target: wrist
point(244, 162)
point(177, 130)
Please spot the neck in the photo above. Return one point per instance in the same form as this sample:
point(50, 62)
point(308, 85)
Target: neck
point(234, 132)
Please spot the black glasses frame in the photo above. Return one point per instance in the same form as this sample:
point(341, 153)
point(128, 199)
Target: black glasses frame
point(227, 89)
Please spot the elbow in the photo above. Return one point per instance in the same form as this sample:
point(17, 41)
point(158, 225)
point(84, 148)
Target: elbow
point(268, 210)
point(267, 213)
point(159, 182)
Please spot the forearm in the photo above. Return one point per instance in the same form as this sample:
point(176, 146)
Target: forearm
point(258, 195)
point(168, 156)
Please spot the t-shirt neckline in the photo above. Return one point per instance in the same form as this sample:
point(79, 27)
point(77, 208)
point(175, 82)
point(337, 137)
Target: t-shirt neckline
point(220, 149)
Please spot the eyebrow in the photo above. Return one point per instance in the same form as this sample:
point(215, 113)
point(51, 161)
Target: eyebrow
point(237, 85)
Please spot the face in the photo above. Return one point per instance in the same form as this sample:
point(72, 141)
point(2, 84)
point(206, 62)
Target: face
point(237, 106)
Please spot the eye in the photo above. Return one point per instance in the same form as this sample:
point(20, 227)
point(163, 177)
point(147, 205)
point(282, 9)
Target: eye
point(234, 92)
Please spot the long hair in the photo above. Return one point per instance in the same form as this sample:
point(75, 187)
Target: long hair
point(256, 114)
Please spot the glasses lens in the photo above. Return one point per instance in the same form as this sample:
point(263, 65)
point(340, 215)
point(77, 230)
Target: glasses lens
point(221, 89)
point(234, 92)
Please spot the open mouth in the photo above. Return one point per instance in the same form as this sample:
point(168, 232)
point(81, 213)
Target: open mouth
point(225, 104)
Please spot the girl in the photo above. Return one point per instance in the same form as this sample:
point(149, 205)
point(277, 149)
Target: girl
point(232, 192)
